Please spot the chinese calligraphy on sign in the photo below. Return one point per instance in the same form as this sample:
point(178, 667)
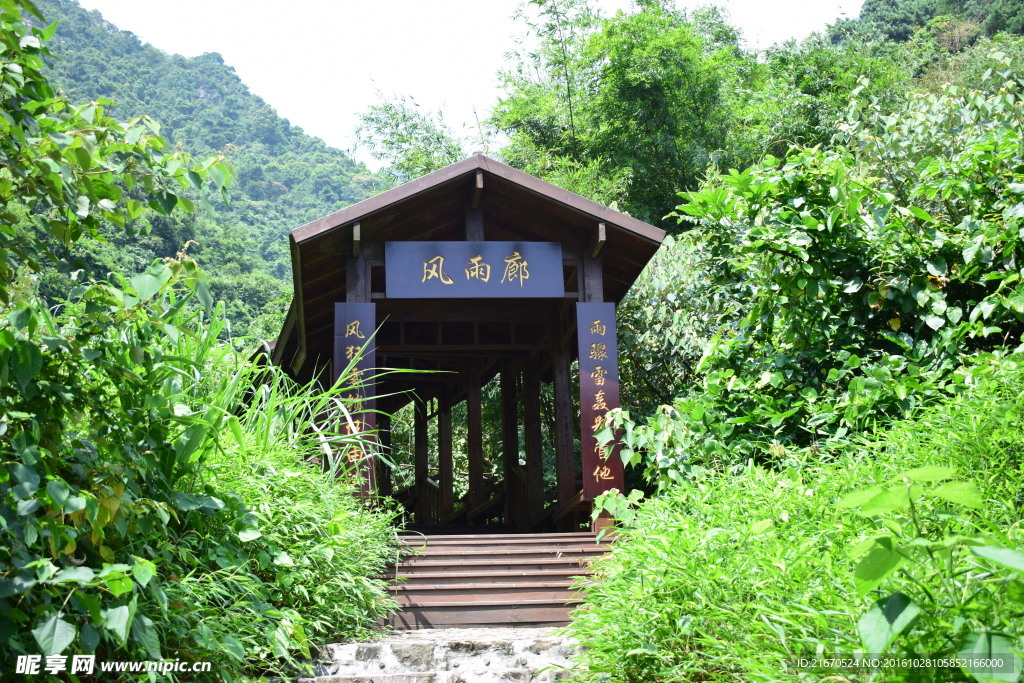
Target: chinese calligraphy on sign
point(434, 269)
point(478, 269)
point(599, 393)
point(468, 270)
point(356, 351)
point(515, 269)
point(352, 330)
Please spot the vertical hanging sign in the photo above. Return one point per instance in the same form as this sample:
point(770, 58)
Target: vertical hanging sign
point(599, 393)
point(354, 346)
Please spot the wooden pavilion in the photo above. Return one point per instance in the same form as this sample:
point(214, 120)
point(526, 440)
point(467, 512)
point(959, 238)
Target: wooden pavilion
point(476, 272)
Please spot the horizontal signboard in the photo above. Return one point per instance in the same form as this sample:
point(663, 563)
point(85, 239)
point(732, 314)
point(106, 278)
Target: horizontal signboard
point(473, 270)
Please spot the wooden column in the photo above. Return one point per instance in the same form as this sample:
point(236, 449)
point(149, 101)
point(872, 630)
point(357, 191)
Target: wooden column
point(565, 416)
point(444, 453)
point(385, 484)
point(474, 436)
point(420, 445)
point(354, 345)
point(533, 438)
point(509, 437)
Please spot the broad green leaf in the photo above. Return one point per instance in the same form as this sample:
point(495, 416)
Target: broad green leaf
point(1012, 559)
point(145, 286)
point(144, 632)
point(27, 478)
point(143, 571)
point(26, 362)
point(77, 574)
point(54, 635)
point(116, 621)
point(876, 565)
point(760, 527)
point(937, 266)
point(233, 647)
point(248, 535)
point(858, 498)
point(15, 586)
point(923, 215)
point(21, 318)
point(964, 493)
point(89, 638)
point(163, 202)
point(988, 648)
point(58, 491)
point(926, 474)
point(887, 618)
point(187, 501)
point(284, 559)
point(1014, 590)
point(279, 641)
point(119, 584)
point(890, 499)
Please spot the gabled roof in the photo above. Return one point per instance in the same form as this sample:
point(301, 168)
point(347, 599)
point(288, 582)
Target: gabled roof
point(514, 206)
point(431, 183)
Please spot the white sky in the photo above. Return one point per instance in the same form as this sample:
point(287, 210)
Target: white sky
point(320, 63)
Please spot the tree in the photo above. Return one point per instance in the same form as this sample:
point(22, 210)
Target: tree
point(411, 142)
point(636, 100)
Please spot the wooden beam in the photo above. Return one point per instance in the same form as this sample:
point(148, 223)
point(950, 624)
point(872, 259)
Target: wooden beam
point(298, 302)
point(597, 242)
point(357, 238)
point(286, 331)
point(473, 349)
point(474, 224)
point(478, 190)
point(474, 436)
point(357, 279)
point(444, 453)
point(592, 277)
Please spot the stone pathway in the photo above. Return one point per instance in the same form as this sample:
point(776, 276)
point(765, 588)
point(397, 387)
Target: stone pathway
point(470, 655)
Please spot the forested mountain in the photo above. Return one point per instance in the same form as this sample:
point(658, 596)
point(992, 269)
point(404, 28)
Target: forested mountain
point(899, 20)
point(284, 176)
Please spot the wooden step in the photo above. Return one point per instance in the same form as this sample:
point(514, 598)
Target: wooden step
point(512, 554)
point(439, 538)
point(580, 563)
point(481, 614)
point(499, 576)
point(490, 579)
point(463, 596)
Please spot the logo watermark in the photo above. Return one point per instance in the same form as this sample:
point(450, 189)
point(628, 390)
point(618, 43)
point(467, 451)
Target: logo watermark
point(87, 665)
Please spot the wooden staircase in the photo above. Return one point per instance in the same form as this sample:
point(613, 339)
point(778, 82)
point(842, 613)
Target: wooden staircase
point(480, 580)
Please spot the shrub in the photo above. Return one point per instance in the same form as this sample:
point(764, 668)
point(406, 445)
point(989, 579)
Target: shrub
point(905, 543)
